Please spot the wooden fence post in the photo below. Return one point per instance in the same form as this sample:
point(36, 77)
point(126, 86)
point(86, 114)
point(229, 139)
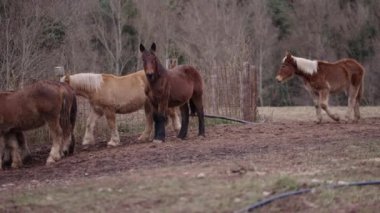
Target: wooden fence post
point(254, 92)
point(246, 92)
point(213, 94)
point(59, 71)
point(171, 63)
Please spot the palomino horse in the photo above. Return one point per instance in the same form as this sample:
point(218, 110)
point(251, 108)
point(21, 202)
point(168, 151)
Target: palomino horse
point(44, 102)
point(110, 94)
point(180, 86)
point(322, 78)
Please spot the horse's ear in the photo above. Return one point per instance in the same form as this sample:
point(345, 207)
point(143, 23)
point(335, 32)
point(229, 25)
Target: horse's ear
point(142, 48)
point(67, 78)
point(288, 54)
point(153, 47)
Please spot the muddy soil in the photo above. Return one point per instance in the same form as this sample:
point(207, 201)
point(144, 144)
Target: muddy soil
point(223, 142)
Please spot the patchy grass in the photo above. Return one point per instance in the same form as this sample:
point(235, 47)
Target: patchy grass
point(307, 113)
point(282, 159)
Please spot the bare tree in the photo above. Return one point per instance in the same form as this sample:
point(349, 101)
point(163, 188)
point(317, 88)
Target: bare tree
point(109, 18)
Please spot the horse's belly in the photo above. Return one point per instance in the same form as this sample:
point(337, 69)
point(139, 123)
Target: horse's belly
point(129, 107)
point(22, 125)
point(174, 103)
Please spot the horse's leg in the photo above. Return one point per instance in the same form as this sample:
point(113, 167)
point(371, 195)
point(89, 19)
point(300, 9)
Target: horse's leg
point(352, 93)
point(197, 101)
point(318, 109)
point(146, 135)
point(317, 105)
point(56, 134)
point(25, 152)
point(90, 125)
point(111, 120)
point(2, 149)
point(324, 102)
point(159, 118)
point(15, 153)
point(173, 115)
point(357, 103)
point(185, 121)
point(159, 127)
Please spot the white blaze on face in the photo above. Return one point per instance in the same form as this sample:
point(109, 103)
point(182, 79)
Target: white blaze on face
point(279, 78)
point(62, 79)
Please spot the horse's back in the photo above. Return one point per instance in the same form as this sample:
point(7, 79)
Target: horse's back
point(31, 106)
point(124, 93)
point(189, 74)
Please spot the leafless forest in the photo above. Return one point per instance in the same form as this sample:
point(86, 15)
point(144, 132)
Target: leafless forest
point(217, 36)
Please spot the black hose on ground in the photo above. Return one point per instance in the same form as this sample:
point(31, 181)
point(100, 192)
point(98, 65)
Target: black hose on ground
point(228, 118)
point(264, 202)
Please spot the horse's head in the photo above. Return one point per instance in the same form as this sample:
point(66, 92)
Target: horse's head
point(150, 61)
point(287, 69)
point(65, 79)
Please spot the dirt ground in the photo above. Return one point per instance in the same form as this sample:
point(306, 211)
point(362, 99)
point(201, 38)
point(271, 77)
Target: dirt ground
point(233, 166)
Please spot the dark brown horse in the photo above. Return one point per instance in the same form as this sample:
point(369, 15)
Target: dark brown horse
point(181, 86)
point(44, 102)
point(322, 78)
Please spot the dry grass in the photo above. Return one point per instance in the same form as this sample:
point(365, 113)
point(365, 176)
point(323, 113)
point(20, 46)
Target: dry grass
point(307, 113)
point(219, 186)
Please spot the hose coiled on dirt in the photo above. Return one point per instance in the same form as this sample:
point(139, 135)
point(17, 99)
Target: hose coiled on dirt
point(264, 202)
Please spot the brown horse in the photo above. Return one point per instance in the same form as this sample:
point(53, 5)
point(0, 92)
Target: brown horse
point(44, 102)
point(181, 86)
point(110, 95)
point(322, 78)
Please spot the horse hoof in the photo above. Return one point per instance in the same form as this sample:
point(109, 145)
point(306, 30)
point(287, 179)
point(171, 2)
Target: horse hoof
point(143, 138)
point(157, 141)
point(65, 153)
point(337, 119)
point(88, 142)
point(113, 143)
point(27, 159)
point(50, 161)
point(181, 137)
point(16, 165)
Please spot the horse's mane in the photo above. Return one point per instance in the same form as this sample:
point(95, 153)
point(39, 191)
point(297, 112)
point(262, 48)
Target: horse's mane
point(85, 81)
point(305, 65)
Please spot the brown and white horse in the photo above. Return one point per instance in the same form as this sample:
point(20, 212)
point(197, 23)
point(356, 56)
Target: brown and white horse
point(44, 102)
point(322, 78)
point(181, 86)
point(109, 95)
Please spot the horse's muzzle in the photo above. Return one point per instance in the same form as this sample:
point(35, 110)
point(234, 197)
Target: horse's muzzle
point(279, 79)
point(150, 77)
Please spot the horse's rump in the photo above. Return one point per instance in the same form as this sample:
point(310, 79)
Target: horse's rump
point(44, 102)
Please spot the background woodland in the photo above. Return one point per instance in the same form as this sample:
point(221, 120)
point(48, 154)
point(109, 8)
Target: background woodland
point(216, 36)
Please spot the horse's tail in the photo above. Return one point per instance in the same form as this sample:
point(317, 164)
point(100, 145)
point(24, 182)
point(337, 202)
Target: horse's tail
point(193, 109)
point(65, 113)
point(68, 116)
point(73, 116)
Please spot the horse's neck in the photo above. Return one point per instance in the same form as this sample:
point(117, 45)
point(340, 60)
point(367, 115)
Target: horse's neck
point(162, 71)
point(82, 92)
point(160, 83)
